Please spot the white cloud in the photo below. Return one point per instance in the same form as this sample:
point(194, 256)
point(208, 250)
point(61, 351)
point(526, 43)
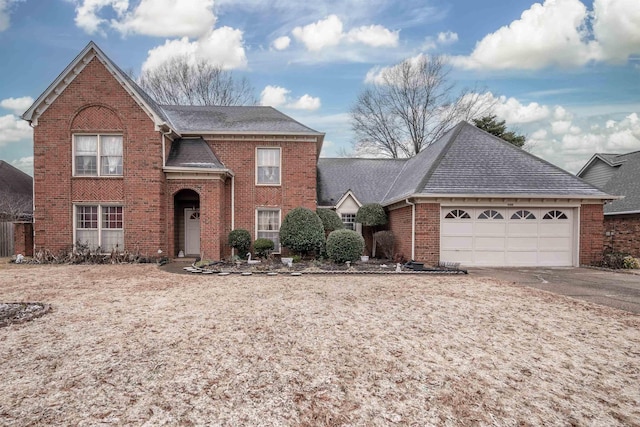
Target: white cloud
point(616, 26)
point(17, 105)
point(319, 35)
point(223, 46)
point(376, 75)
point(560, 33)
point(306, 102)
point(448, 37)
point(281, 43)
point(5, 12)
point(168, 18)
point(513, 112)
point(25, 164)
point(87, 13)
point(329, 32)
point(13, 129)
point(374, 35)
point(560, 127)
point(546, 34)
point(277, 96)
point(274, 96)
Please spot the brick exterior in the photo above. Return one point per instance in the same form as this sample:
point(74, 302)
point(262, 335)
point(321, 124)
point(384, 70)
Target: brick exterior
point(591, 232)
point(428, 233)
point(23, 238)
point(427, 229)
point(624, 233)
point(400, 225)
point(94, 102)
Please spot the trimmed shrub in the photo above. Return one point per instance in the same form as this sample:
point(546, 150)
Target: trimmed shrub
point(630, 262)
point(330, 220)
point(302, 231)
point(344, 245)
point(263, 247)
point(240, 240)
point(385, 241)
point(371, 215)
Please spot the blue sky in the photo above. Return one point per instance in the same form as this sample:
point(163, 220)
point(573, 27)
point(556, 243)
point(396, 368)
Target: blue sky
point(566, 73)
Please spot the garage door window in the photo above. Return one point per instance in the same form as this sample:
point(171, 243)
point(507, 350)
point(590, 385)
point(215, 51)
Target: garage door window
point(555, 215)
point(458, 214)
point(490, 214)
point(523, 215)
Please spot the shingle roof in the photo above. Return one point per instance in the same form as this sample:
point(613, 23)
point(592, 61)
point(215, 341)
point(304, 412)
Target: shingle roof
point(466, 160)
point(476, 162)
point(368, 179)
point(15, 182)
point(192, 153)
point(624, 182)
point(221, 119)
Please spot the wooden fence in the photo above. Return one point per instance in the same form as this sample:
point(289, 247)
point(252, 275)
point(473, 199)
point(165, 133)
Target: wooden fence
point(6, 239)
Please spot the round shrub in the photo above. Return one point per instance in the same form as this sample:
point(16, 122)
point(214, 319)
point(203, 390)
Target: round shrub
point(330, 220)
point(344, 245)
point(302, 231)
point(263, 246)
point(240, 240)
point(371, 215)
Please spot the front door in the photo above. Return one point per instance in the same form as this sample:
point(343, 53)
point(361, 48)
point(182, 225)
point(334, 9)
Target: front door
point(192, 231)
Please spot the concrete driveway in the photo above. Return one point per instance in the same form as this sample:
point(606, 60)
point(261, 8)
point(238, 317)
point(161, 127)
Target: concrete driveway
point(619, 290)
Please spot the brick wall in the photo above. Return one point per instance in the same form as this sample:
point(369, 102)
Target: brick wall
point(23, 238)
point(94, 102)
point(427, 229)
point(591, 232)
point(298, 178)
point(428, 233)
point(624, 233)
point(400, 225)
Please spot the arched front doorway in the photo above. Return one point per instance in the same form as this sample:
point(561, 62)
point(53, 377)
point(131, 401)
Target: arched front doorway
point(187, 222)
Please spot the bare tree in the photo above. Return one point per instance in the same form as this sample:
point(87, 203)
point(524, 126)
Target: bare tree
point(180, 81)
point(409, 107)
point(15, 206)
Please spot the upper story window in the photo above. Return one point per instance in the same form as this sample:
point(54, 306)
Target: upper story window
point(268, 166)
point(97, 155)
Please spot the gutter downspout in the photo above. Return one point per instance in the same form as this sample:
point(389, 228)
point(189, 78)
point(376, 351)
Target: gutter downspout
point(413, 228)
point(164, 160)
point(233, 208)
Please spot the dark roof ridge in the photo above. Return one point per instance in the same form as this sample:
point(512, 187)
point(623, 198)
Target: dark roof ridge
point(26, 175)
point(456, 131)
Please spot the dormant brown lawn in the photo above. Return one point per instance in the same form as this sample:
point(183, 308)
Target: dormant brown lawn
point(133, 345)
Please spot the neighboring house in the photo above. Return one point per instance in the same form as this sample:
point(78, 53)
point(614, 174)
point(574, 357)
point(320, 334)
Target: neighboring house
point(16, 194)
point(117, 171)
point(618, 174)
point(473, 198)
point(114, 169)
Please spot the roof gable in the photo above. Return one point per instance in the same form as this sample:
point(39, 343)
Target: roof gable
point(13, 180)
point(72, 70)
point(625, 182)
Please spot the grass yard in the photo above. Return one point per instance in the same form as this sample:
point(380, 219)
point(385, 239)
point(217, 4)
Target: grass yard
point(132, 345)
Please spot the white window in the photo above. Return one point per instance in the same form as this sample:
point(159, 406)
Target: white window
point(97, 155)
point(100, 227)
point(268, 226)
point(349, 221)
point(268, 166)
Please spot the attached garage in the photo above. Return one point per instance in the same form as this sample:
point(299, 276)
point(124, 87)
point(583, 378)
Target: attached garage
point(473, 198)
point(514, 236)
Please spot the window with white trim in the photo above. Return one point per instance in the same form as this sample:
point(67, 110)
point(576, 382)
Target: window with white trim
point(100, 226)
point(349, 221)
point(268, 166)
point(490, 214)
point(522, 214)
point(268, 226)
point(97, 155)
point(555, 215)
point(457, 214)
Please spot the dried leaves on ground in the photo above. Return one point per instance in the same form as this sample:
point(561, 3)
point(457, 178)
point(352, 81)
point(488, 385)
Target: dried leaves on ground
point(131, 344)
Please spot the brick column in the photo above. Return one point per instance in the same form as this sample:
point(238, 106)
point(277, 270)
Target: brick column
point(591, 234)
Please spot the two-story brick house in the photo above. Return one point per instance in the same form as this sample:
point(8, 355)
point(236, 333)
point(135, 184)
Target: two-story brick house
point(114, 169)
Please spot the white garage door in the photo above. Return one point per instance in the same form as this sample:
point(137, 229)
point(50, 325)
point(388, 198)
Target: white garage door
point(507, 237)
